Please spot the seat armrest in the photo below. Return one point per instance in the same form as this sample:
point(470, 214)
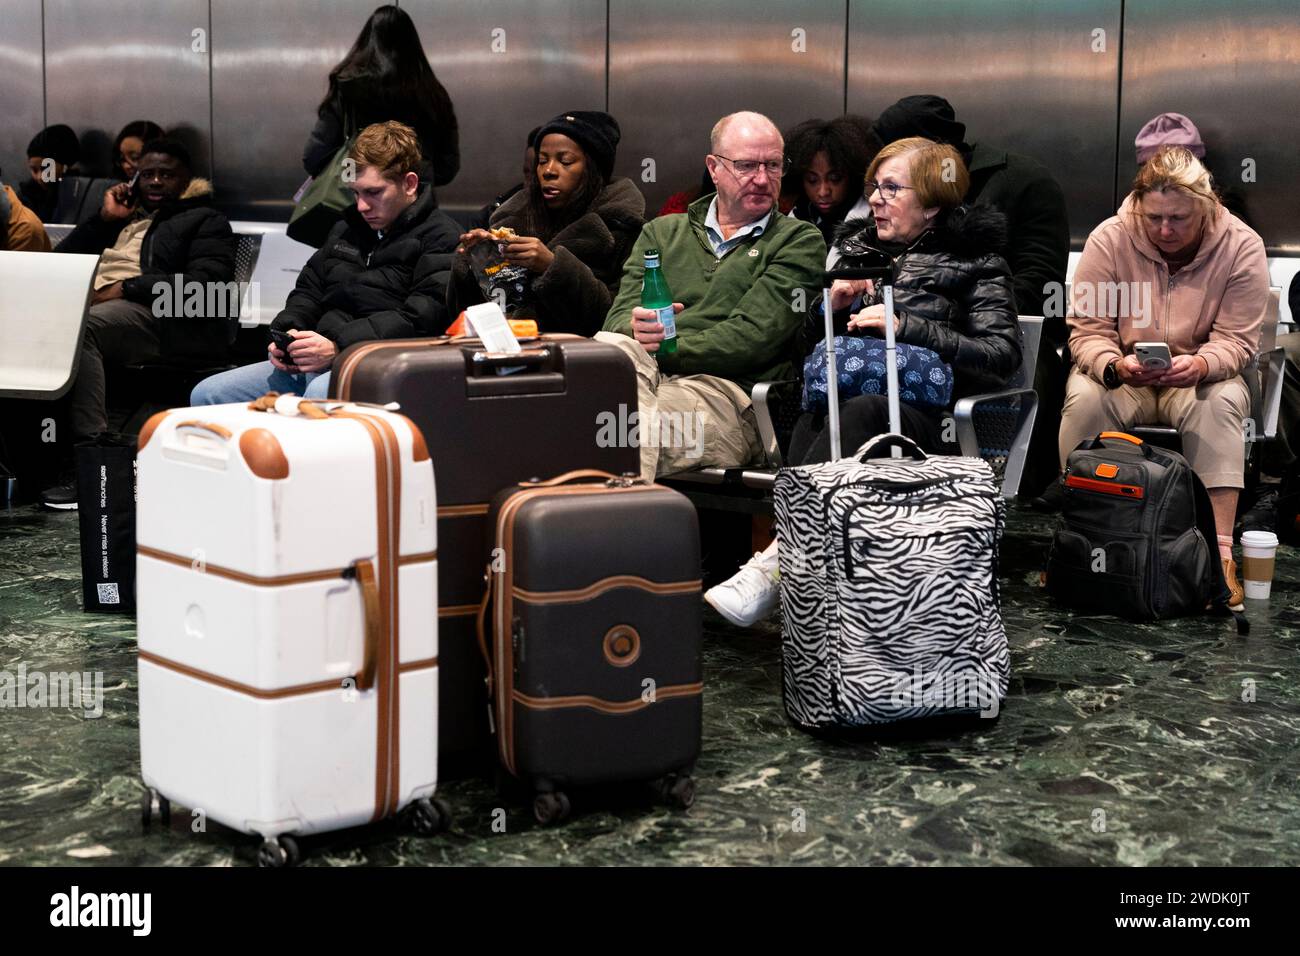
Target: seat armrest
point(761, 397)
point(964, 417)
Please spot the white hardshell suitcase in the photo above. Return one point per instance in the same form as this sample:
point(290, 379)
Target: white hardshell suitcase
point(288, 642)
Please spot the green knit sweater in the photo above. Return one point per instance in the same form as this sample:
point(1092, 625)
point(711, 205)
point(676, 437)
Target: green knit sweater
point(742, 311)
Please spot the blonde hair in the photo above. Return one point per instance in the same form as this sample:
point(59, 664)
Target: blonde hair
point(392, 148)
point(938, 173)
point(1176, 168)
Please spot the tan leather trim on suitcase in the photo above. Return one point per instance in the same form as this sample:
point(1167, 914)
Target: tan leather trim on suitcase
point(343, 374)
point(503, 607)
point(418, 558)
point(461, 511)
point(296, 690)
point(263, 454)
point(147, 431)
point(608, 706)
point(388, 477)
point(458, 610)
point(418, 665)
point(607, 584)
point(281, 580)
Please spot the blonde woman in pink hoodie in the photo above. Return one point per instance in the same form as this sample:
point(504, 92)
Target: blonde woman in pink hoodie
point(1172, 266)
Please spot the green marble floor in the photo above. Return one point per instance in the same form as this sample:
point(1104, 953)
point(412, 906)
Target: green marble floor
point(1119, 744)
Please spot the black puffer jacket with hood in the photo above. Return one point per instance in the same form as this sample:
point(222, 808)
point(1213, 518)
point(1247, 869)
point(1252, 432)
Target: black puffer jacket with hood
point(952, 293)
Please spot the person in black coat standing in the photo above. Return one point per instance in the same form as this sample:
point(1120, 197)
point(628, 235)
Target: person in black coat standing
point(386, 76)
point(381, 274)
point(1038, 250)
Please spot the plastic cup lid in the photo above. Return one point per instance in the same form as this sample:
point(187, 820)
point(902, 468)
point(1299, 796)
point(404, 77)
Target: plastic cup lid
point(1258, 539)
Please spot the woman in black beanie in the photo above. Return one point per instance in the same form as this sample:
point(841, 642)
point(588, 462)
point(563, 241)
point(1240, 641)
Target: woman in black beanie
point(575, 226)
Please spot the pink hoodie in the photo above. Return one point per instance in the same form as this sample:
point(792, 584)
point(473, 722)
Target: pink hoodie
point(1122, 294)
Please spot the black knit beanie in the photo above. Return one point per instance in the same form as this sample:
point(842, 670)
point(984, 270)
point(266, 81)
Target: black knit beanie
point(597, 133)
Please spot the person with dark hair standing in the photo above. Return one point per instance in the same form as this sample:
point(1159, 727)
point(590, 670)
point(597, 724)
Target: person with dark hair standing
point(1038, 250)
point(129, 145)
point(164, 233)
point(55, 191)
point(575, 225)
point(828, 161)
point(386, 76)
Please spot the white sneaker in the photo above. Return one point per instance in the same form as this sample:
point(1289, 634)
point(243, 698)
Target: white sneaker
point(749, 595)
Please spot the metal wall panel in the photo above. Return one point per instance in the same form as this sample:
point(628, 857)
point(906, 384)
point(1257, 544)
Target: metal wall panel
point(270, 69)
point(1232, 68)
point(108, 62)
point(1021, 74)
point(676, 66)
point(22, 101)
point(508, 67)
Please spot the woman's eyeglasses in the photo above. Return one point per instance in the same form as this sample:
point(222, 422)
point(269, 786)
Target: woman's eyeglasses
point(887, 190)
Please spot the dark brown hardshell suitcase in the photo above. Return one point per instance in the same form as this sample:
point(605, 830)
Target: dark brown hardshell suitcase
point(592, 627)
point(486, 432)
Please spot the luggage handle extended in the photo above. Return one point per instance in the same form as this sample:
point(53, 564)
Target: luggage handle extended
point(874, 447)
point(364, 572)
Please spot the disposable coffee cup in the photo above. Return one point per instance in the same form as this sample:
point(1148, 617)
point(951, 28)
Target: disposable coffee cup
point(1258, 550)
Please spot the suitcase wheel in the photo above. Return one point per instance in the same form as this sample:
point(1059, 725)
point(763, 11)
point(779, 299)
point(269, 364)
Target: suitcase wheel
point(676, 790)
point(154, 802)
point(278, 852)
point(551, 807)
point(429, 817)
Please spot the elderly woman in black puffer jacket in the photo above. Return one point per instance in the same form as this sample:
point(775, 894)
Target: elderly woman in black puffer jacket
point(952, 295)
point(952, 291)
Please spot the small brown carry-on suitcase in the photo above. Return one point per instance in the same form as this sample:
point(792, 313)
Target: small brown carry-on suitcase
point(485, 432)
point(591, 626)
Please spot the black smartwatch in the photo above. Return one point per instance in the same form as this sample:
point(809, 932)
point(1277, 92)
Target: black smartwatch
point(1110, 377)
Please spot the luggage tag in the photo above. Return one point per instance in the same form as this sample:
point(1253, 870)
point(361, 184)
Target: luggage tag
point(488, 322)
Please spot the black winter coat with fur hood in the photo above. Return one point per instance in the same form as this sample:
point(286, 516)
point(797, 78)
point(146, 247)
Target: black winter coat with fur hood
point(952, 293)
point(574, 294)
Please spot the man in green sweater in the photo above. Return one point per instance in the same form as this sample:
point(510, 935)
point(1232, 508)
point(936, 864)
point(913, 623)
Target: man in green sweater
point(742, 276)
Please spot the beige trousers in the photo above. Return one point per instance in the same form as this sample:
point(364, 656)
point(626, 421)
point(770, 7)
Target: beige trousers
point(1209, 418)
point(688, 421)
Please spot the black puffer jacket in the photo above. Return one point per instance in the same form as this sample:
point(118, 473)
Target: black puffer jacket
point(952, 293)
point(574, 294)
point(359, 287)
point(186, 236)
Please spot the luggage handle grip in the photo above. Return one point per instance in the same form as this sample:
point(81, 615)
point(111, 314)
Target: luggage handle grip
point(225, 434)
point(481, 631)
point(875, 447)
point(579, 474)
point(1125, 436)
point(364, 572)
point(533, 358)
point(880, 272)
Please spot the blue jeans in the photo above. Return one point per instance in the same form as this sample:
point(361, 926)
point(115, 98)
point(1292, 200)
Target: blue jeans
point(253, 381)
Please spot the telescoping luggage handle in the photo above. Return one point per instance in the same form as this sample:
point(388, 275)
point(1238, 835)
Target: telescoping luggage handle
point(882, 271)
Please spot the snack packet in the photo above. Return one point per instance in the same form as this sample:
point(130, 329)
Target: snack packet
point(509, 286)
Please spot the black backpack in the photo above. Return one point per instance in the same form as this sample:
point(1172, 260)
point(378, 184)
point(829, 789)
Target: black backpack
point(1137, 536)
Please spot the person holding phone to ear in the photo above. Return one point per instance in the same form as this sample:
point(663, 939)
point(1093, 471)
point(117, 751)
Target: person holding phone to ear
point(1176, 274)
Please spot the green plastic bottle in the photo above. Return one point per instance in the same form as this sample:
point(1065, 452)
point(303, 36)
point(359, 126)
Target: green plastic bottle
point(655, 295)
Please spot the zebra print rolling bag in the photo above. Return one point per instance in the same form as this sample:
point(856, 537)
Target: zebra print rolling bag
point(889, 587)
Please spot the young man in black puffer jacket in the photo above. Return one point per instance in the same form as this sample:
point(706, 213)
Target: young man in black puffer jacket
point(381, 274)
point(163, 236)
